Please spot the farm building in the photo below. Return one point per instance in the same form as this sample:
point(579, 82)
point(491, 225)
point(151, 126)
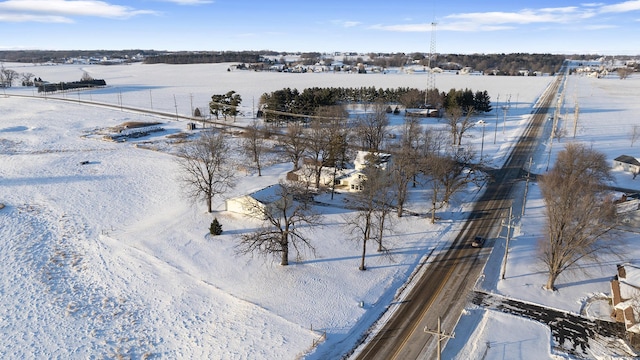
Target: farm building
point(259, 203)
point(626, 163)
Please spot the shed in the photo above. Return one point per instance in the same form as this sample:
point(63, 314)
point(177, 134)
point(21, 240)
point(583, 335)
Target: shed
point(259, 203)
point(627, 163)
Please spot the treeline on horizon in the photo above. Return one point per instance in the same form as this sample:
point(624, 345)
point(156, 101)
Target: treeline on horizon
point(497, 64)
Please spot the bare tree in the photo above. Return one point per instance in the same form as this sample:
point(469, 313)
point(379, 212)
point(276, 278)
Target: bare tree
point(325, 133)
point(7, 76)
point(458, 174)
point(26, 78)
point(285, 225)
point(253, 144)
point(294, 143)
point(624, 72)
point(371, 129)
point(372, 209)
point(86, 77)
point(459, 122)
point(404, 165)
point(205, 168)
point(317, 149)
point(579, 216)
point(338, 152)
point(412, 98)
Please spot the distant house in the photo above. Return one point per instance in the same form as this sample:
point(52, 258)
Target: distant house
point(258, 203)
point(625, 296)
point(626, 163)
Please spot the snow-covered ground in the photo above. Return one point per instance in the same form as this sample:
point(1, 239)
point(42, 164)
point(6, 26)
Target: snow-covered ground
point(109, 258)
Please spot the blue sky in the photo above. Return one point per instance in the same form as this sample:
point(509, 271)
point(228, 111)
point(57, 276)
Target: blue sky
point(463, 26)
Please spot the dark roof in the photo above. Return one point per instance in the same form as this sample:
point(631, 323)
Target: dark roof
point(627, 159)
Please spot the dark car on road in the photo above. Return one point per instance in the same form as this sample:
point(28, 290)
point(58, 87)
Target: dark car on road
point(478, 241)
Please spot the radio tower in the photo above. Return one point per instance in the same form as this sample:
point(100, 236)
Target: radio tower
point(431, 77)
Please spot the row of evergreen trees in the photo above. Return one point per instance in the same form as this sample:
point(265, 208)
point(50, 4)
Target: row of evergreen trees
point(291, 101)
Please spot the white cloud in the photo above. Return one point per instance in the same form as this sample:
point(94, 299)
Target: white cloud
point(350, 23)
point(33, 18)
point(526, 16)
point(626, 6)
point(63, 10)
point(190, 2)
point(499, 20)
point(346, 23)
point(600, 27)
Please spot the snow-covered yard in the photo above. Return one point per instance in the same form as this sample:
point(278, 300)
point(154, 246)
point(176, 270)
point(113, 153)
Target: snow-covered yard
point(102, 255)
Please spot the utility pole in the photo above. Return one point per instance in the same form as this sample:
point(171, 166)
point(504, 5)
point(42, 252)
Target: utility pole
point(526, 187)
point(504, 117)
point(482, 143)
point(575, 118)
point(441, 336)
point(506, 249)
point(495, 132)
point(151, 99)
point(175, 104)
point(191, 97)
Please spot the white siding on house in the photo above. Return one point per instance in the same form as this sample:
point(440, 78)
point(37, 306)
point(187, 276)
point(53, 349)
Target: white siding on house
point(257, 203)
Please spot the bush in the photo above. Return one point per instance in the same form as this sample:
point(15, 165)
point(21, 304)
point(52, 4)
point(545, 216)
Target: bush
point(215, 228)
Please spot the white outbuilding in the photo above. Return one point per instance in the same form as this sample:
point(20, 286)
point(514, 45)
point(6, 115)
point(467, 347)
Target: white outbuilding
point(259, 203)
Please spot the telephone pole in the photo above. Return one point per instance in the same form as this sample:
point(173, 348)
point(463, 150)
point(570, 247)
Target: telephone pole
point(506, 249)
point(441, 336)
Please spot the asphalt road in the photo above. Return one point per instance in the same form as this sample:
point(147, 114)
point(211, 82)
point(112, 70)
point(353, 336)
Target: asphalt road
point(445, 286)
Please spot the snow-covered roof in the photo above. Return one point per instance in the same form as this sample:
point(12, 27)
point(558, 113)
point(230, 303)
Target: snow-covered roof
point(269, 194)
point(627, 159)
point(360, 162)
point(631, 274)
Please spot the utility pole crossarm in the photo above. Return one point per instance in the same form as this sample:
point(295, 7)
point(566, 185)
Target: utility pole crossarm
point(441, 336)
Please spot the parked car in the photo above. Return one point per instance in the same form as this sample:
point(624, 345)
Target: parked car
point(478, 241)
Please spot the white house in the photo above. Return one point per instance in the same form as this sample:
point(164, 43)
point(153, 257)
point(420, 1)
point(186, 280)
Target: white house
point(626, 163)
point(353, 180)
point(350, 178)
point(259, 203)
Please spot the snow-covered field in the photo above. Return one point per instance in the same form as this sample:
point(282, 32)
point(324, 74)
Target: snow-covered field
point(109, 259)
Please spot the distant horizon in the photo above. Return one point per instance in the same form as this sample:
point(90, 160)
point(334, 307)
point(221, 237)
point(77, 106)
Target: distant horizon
point(375, 26)
point(311, 51)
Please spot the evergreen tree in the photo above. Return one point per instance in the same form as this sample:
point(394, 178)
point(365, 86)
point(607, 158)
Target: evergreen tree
point(215, 228)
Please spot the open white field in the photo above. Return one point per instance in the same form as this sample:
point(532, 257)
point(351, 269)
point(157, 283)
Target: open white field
point(109, 257)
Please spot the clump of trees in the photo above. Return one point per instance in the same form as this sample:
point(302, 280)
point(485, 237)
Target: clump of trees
point(225, 105)
point(290, 104)
point(580, 217)
point(467, 100)
point(7, 76)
